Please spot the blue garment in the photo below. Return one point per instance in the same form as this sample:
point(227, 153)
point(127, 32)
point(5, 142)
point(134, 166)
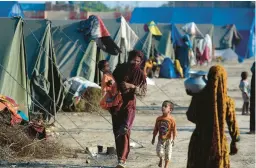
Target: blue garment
point(167, 69)
point(251, 50)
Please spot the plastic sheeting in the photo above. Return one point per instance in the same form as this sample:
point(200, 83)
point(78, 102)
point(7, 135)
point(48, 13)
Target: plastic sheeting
point(226, 54)
point(251, 48)
point(126, 39)
point(191, 29)
point(154, 29)
point(167, 69)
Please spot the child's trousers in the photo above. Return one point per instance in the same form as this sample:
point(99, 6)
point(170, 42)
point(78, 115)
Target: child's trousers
point(164, 149)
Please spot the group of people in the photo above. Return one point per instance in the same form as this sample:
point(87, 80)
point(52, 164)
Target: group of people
point(209, 110)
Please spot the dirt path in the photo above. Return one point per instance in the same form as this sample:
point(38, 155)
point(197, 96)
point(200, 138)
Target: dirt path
point(92, 130)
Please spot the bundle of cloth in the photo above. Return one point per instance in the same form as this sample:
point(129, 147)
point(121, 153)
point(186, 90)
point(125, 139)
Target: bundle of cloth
point(11, 115)
point(204, 50)
point(93, 28)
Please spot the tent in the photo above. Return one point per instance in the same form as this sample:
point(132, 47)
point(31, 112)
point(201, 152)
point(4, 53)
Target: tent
point(45, 79)
point(124, 37)
point(77, 57)
point(167, 69)
point(28, 66)
point(11, 9)
point(14, 81)
point(150, 44)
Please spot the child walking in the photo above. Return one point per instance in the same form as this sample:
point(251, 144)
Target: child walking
point(111, 99)
point(166, 127)
point(245, 89)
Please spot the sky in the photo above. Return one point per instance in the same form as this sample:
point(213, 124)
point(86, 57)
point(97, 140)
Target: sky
point(121, 3)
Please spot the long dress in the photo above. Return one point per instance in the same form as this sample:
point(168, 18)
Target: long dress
point(126, 115)
point(210, 110)
point(252, 100)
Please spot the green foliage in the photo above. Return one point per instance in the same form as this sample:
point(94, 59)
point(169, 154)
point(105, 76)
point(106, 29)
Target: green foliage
point(94, 6)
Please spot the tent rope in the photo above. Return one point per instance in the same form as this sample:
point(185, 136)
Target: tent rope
point(72, 93)
point(85, 149)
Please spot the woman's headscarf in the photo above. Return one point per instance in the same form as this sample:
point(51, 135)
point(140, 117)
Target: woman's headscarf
point(217, 90)
point(209, 109)
point(129, 73)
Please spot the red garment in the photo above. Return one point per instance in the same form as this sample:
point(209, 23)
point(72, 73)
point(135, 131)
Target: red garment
point(12, 106)
point(205, 56)
point(125, 117)
point(103, 30)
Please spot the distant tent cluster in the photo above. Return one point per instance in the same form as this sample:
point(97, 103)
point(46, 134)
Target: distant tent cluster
point(242, 18)
point(38, 55)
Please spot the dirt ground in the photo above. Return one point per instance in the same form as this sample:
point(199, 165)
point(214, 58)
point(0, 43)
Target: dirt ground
point(91, 130)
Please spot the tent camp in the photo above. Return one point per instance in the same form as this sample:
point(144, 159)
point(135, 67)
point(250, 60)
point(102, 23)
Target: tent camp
point(77, 57)
point(27, 66)
point(242, 18)
point(150, 43)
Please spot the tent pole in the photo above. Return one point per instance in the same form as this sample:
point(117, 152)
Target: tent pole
point(53, 90)
point(97, 72)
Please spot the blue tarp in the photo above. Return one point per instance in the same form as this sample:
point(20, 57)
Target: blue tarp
point(33, 6)
point(167, 69)
point(145, 15)
point(241, 17)
point(10, 9)
point(251, 47)
point(186, 15)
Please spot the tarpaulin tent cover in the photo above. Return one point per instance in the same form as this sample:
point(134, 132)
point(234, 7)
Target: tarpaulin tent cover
point(12, 60)
point(251, 48)
point(46, 80)
point(125, 38)
point(161, 44)
point(226, 37)
point(75, 55)
point(167, 69)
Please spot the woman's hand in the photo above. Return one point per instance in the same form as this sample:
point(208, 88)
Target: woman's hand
point(153, 141)
point(129, 85)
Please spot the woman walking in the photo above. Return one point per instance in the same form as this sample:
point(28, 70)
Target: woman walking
point(131, 81)
point(210, 110)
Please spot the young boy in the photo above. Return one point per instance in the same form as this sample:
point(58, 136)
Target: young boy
point(245, 89)
point(166, 126)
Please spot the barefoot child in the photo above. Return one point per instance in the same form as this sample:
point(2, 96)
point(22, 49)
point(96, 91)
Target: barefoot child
point(245, 88)
point(166, 126)
point(112, 99)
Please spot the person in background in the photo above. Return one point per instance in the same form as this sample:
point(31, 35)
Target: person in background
point(245, 89)
point(210, 109)
point(166, 127)
point(148, 68)
point(112, 99)
point(131, 81)
point(252, 101)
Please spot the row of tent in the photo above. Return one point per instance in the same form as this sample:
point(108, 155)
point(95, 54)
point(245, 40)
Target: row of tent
point(38, 54)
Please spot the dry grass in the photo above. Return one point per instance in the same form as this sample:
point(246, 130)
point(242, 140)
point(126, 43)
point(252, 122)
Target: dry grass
point(90, 102)
point(15, 142)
